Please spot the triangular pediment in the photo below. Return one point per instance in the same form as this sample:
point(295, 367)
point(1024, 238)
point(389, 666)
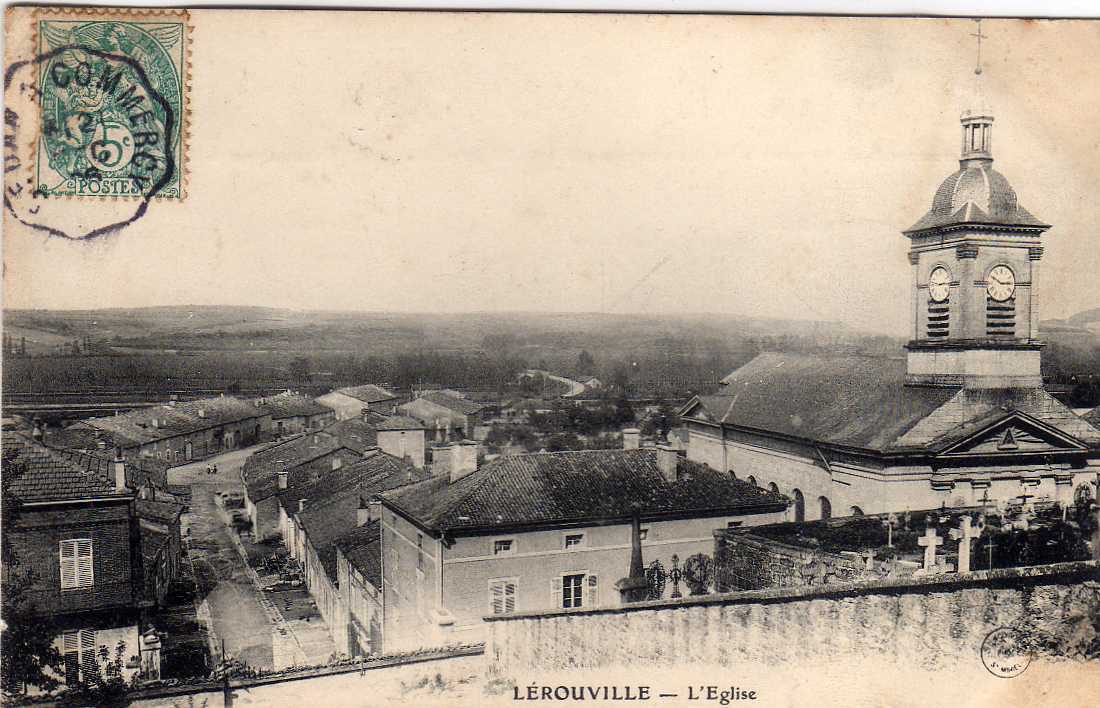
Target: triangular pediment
point(1013, 434)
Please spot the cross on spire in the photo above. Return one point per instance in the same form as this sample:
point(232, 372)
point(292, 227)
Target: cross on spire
point(980, 37)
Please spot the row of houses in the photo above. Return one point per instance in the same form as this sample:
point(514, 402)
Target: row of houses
point(399, 556)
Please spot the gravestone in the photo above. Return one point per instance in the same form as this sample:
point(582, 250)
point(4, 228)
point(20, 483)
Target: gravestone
point(964, 535)
point(930, 540)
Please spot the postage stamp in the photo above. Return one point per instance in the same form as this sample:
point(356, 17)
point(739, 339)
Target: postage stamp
point(113, 104)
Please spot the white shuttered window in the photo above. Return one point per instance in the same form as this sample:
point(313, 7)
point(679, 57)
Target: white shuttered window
point(502, 596)
point(77, 569)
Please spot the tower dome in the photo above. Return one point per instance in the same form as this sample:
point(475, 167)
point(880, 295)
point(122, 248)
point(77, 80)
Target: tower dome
point(976, 193)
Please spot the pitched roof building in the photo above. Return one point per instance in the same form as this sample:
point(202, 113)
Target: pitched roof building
point(544, 531)
point(182, 432)
point(88, 550)
point(960, 418)
point(351, 401)
point(295, 413)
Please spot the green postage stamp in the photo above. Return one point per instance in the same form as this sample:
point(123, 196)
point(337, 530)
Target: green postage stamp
point(113, 96)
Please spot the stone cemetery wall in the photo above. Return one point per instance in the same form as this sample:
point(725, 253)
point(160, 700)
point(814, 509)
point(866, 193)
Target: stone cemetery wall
point(930, 622)
point(747, 562)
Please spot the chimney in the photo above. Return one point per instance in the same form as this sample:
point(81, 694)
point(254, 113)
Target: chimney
point(366, 413)
point(118, 467)
point(283, 474)
point(667, 462)
point(202, 412)
point(632, 438)
point(302, 505)
point(337, 462)
point(463, 459)
point(367, 512)
point(155, 422)
point(37, 432)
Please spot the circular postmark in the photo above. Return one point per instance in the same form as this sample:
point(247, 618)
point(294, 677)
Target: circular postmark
point(1005, 652)
point(96, 117)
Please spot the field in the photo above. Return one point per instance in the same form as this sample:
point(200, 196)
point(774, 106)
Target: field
point(159, 350)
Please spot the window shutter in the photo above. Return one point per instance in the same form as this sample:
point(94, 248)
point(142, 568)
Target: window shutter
point(556, 598)
point(68, 564)
point(70, 642)
point(496, 598)
point(509, 597)
point(85, 573)
point(592, 592)
point(88, 662)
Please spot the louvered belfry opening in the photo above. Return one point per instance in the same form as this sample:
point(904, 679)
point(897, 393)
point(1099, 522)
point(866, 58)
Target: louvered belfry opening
point(939, 318)
point(1000, 317)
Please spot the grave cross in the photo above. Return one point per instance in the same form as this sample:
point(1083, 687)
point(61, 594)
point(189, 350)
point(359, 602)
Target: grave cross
point(890, 522)
point(930, 540)
point(964, 535)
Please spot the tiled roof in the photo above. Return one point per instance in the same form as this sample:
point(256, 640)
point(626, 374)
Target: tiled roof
point(158, 510)
point(579, 486)
point(359, 433)
point(362, 546)
point(398, 422)
point(1093, 416)
point(333, 499)
point(368, 393)
point(454, 403)
point(864, 403)
point(289, 405)
point(260, 470)
point(139, 470)
point(161, 422)
point(48, 474)
point(854, 401)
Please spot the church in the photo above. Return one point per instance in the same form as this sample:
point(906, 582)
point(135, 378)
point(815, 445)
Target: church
point(961, 419)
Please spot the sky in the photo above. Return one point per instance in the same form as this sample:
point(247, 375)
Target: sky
point(429, 162)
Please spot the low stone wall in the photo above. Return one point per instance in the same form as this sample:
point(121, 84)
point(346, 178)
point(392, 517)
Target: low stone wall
point(930, 622)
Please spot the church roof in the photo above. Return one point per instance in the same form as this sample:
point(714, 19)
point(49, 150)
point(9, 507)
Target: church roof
point(864, 403)
point(976, 194)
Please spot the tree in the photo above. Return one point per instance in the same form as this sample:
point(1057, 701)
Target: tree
point(27, 651)
point(585, 363)
point(299, 369)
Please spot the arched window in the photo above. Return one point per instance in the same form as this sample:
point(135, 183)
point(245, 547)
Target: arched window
point(855, 511)
point(774, 487)
point(826, 508)
point(752, 480)
point(799, 505)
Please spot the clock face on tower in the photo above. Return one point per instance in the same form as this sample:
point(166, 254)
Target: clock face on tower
point(939, 284)
point(1001, 283)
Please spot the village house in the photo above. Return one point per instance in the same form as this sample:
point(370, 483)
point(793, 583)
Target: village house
point(333, 506)
point(543, 531)
point(282, 468)
point(181, 432)
point(350, 401)
point(293, 413)
point(359, 580)
point(95, 556)
point(446, 416)
point(397, 435)
point(959, 418)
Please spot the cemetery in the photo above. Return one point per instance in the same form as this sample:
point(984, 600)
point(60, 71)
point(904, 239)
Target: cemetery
point(1018, 533)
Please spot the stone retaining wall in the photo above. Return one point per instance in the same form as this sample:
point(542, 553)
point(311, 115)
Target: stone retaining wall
point(928, 622)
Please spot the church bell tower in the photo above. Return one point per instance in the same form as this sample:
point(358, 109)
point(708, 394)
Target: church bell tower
point(975, 264)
